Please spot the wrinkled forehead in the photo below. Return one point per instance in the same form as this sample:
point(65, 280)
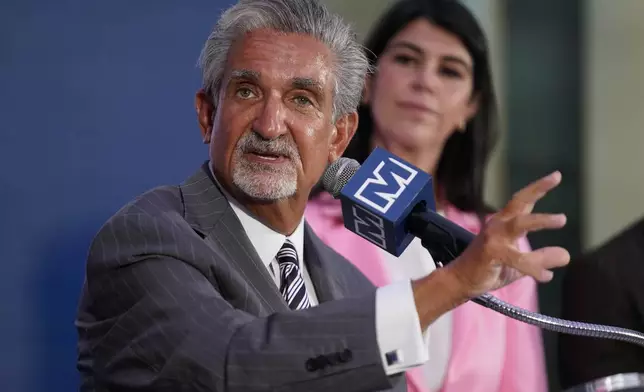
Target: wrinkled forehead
point(276, 59)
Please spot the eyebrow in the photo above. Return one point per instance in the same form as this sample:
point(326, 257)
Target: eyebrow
point(307, 84)
point(245, 74)
point(418, 50)
point(301, 83)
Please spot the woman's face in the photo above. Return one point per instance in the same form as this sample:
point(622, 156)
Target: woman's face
point(422, 89)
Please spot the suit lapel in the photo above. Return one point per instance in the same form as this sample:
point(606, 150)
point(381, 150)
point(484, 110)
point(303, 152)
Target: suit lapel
point(209, 213)
point(320, 269)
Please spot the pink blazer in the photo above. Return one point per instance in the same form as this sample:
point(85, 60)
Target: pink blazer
point(490, 352)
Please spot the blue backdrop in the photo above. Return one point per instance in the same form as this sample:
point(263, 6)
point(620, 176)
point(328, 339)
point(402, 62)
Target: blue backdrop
point(96, 106)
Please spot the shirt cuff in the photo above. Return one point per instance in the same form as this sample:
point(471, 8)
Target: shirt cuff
point(400, 339)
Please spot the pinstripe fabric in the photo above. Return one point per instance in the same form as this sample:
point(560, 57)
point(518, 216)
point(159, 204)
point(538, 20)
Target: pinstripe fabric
point(176, 299)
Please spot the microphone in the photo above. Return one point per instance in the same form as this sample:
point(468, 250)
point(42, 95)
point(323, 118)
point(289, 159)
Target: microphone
point(388, 201)
point(626, 382)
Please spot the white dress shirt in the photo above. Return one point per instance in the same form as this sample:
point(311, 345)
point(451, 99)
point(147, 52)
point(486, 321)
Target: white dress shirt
point(268, 243)
point(414, 263)
point(397, 323)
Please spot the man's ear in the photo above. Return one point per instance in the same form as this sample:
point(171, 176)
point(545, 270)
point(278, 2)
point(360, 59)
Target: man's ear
point(345, 128)
point(205, 114)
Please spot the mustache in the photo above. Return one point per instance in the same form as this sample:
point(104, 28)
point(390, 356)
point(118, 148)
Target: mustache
point(252, 142)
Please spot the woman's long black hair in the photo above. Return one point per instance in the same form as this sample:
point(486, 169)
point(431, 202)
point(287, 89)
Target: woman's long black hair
point(460, 172)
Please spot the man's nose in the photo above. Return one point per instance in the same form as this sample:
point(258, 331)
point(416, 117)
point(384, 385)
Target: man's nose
point(269, 122)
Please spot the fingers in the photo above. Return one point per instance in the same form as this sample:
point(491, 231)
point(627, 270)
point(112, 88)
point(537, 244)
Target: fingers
point(497, 241)
point(524, 200)
point(538, 263)
point(522, 224)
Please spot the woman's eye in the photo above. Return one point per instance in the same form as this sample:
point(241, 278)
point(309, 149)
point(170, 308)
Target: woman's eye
point(452, 73)
point(403, 59)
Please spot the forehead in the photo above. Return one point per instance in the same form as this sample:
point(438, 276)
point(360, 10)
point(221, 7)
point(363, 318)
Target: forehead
point(280, 57)
point(431, 39)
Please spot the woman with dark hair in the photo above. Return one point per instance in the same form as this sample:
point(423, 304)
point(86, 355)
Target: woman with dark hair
point(430, 101)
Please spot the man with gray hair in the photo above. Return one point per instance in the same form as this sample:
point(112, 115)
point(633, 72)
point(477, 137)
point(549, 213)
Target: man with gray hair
point(220, 285)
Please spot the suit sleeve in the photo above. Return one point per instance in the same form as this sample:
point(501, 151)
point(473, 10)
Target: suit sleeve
point(524, 364)
point(595, 292)
point(152, 321)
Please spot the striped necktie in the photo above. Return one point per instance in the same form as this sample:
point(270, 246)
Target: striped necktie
point(292, 285)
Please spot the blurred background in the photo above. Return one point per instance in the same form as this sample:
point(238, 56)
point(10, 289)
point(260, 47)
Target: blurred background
point(96, 106)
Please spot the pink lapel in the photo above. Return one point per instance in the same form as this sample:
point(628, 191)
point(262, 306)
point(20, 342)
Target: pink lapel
point(466, 220)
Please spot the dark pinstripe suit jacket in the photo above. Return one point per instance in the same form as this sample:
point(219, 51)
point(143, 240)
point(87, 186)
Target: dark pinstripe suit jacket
point(176, 299)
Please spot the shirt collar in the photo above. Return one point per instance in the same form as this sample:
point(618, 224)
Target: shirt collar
point(266, 241)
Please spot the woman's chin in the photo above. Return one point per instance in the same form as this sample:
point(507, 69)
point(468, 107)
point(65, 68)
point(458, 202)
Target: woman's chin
point(412, 136)
point(417, 139)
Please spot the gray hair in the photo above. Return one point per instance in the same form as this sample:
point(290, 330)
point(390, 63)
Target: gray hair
point(308, 17)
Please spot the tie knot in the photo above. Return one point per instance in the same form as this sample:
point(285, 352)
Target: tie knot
point(287, 253)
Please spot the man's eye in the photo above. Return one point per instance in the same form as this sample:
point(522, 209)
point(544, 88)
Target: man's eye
point(245, 93)
point(302, 100)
